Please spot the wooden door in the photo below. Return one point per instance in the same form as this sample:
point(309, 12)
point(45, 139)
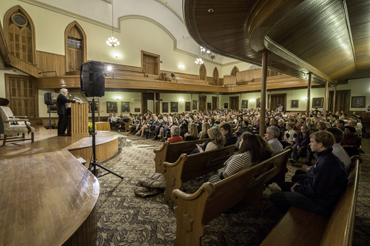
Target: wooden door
point(234, 103)
point(150, 63)
point(277, 99)
point(202, 72)
point(21, 93)
point(75, 59)
point(342, 100)
point(202, 103)
point(214, 103)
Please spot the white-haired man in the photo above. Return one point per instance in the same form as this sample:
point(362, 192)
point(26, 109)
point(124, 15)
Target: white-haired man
point(62, 100)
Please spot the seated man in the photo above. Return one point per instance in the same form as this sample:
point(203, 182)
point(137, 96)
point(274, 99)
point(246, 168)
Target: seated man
point(227, 133)
point(350, 142)
point(152, 126)
point(324, 184)
point(272, 135)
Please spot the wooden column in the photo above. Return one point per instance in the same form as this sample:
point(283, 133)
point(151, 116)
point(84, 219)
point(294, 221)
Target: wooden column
point(270, 101)
point(334, 96)
point(326, 97)
point(308, 94)
point(263, 92)
point(154, 104)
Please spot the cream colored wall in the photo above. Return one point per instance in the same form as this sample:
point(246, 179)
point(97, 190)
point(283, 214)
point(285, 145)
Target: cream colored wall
point(226, 69)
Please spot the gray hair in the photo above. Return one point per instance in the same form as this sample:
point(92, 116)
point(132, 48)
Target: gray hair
point(63, 90)
point(175, 130)
point(274, 130)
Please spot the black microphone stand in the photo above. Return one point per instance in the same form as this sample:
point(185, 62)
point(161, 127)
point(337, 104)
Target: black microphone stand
point(94, 163)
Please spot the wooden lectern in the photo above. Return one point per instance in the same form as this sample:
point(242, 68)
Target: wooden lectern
point(79, 119)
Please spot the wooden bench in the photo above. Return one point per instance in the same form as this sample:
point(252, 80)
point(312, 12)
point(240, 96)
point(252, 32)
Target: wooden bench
point(171, 152)
point(193, 211)
point(189, 167)
point(301, 227)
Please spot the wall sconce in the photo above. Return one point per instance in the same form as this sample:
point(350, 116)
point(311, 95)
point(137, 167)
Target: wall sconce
point(117, 97)
point(304, 98)
point(181, 67)
point(109, 68)
point(116, 55)
point(181, 100)
point(252, 100)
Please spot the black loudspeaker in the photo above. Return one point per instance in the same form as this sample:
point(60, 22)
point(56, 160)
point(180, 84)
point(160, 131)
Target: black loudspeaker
point(48, 98)
point(92, 79)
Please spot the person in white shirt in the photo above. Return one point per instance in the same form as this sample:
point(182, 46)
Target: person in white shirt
point(338, 149)
point(272, 134)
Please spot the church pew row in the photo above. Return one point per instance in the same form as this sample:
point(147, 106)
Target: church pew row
point(194, 211)
point(171, 152)
point(301, 227)
point(188, 167)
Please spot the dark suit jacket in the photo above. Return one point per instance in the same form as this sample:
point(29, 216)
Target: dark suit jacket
point(61, 104)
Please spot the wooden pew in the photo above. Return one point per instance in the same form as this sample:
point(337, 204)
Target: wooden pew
point(171, 152)
point(193, 211)
point(301, 227)
point(188, 167)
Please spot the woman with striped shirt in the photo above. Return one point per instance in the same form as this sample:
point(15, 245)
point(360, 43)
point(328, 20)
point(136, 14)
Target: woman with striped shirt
point(249, 154)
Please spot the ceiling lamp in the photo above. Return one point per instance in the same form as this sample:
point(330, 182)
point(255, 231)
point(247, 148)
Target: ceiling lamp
point(112, 41)
point(199, 61)
point(209, 53)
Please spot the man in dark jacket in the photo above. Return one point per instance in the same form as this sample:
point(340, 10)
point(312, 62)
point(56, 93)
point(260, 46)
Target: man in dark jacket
point(226, 131)
point(324, 184)
point(63, 113)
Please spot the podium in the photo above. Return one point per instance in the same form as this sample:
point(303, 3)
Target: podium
point(79, 119)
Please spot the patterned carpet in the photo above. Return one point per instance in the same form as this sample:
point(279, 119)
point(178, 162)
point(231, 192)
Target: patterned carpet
point(124, 219)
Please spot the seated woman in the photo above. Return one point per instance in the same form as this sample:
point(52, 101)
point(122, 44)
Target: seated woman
point(301, 143)
point(350, 142)
point(249, 154)
point(216, 140)
point(203, 133)
point(265, 148)
point(192, 133)
point(175, 135)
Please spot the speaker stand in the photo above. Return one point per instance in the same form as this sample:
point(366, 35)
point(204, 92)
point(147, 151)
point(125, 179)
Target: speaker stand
point(49, 118)
point(94, 163)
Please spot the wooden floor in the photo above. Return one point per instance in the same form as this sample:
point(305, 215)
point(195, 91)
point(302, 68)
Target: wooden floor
point(45, 193)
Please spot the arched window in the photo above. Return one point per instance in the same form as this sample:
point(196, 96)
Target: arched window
point(75, 47)
point(215, 76)
point(20, 34)
point(234, 71)
point(202, 72)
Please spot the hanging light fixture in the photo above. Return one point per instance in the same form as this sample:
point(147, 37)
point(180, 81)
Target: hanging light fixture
point(112, 41)
point(199, 60)
point(209, 53)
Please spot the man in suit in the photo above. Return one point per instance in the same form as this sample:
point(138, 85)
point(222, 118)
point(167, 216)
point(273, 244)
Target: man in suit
point(62, 100)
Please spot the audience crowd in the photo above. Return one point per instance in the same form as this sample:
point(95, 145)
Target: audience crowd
point(331, 140)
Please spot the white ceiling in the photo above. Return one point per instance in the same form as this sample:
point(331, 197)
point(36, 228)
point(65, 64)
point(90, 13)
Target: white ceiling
point(167, 13)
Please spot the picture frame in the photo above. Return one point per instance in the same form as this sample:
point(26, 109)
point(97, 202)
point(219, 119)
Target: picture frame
point(174, 107)
point(164, 107)
point(258, 102)
point(226, 105)
point(209, 106)
point(111, 107)
point(96, 107)
point(137, 110)
point(195, 104)
point(53, 108)
point(244, 103)
point(318, 102)
point(125, 107)
point(294, 103)
point(358, 102)
point(187, 106)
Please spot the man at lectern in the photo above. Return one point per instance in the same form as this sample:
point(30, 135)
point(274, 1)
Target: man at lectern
point(62, 104)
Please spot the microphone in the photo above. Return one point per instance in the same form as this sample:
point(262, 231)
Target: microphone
point(76, 97)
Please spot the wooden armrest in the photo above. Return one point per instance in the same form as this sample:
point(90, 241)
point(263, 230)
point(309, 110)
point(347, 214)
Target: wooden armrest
point(15, 119)
point(24, 117)
point(206, 187)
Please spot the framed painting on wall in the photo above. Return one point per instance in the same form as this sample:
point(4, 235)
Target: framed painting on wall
point(244, 103)
point(164, 107)
point(111, 107)
point(258, 102)
point(187, 106)
point(53, 108)
point(358, 102)
point(195, 104)
point(125, 107)
point(90, 107)
point(294, 104)
point(318, 102)
point(174, 107)
point(137, 110)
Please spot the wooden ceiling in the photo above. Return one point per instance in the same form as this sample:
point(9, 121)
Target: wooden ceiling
point(331, 39)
